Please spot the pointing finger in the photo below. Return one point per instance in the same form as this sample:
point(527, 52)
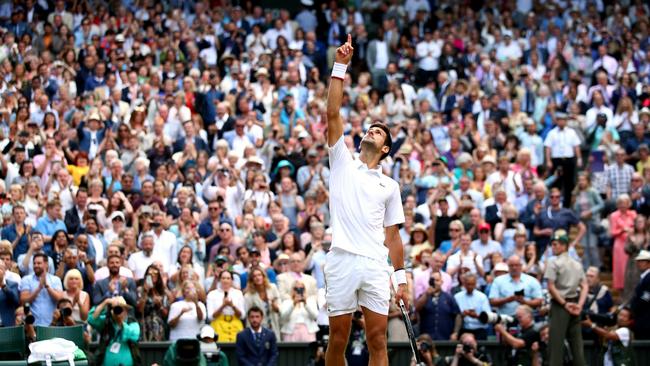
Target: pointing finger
point(349, 38)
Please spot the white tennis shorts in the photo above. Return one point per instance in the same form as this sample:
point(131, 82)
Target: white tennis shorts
point(353, 280)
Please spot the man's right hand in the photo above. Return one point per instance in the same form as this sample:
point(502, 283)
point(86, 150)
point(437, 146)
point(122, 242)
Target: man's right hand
point(344, 53)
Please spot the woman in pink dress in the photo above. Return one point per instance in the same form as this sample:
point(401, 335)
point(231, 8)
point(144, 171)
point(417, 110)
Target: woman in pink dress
point(621, 223)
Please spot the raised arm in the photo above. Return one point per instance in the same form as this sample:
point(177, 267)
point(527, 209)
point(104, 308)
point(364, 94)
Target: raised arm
point(335, 95)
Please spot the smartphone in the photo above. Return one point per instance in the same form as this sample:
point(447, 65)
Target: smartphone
point(149, 281)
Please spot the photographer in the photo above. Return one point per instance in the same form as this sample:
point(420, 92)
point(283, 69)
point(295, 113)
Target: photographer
point(298, 316)
point(439, 313)
point(515, 288)
point(62, 316)
point(467, 353)
point(428, 353)
point(619, 351)
point(119, 335)
point(521, 343)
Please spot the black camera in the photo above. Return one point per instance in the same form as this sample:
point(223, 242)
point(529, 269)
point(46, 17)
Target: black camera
point(357, 315)
point(432, 282)
point(425, 347)
point(467, 348)
point(117, 310)
point(604, 320)
point(66, 312)
point(29, 318)
point(520, 292)
point(300, 291)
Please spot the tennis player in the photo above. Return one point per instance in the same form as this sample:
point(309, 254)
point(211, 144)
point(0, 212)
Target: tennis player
point(366, 210)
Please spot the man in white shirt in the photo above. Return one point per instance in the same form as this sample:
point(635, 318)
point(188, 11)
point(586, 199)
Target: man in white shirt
point(428, 52)
point(508, 49)
point(103, 272)
point(563, 152)
point(139, 261)
point(164, 247)
point(366, 211)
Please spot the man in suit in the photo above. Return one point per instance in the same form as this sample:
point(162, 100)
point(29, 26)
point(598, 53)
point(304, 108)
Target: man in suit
point(9, 298)
point(74, 216)
point(115, 285)
point(256, 346)
point(640, 302)
point(190, 136)
point(295, 273)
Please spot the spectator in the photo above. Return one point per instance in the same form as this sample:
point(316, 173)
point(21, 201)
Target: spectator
point(115, 284)
point(467, 353)
point(18, 232)
point(252, 345)
point(555, 217)
point(636, 241)
point(186, 315)
point(440, 317)
point(140, 261)
point(465, 258)
point(104, 272)
point(9, 298)
point(79, 299)
point(639, 302)
point(563, 152)
point(298, 315)
point(523, 342)
point(287, 280)
point(472, 303)
point(153, 305)
point(264, 295)
point(41, 290)
point(621, 223)
point(52, 222)
point(515, 288)
point(226, 308)
point(588, 204)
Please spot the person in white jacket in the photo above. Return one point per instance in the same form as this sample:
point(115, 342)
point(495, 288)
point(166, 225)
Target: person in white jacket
point(298, 316)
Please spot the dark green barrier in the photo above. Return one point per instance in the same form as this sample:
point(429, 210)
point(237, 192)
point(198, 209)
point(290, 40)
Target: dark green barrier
point(298, 354)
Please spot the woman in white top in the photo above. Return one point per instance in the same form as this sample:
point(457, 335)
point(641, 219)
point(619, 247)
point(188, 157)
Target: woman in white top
point(226, 308)
point(186, 316)
point(73, 284)
point(298, 316)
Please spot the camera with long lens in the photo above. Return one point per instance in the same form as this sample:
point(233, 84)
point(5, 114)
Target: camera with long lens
point(29, 318)
point(604, 320)
point(117, 310)
point(467, 348)
point(494, 318)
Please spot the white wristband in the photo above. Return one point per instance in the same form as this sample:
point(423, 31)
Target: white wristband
point(338, 70)
point(400, 276)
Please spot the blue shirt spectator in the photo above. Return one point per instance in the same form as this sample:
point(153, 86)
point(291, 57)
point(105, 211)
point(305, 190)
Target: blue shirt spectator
point(41, 290)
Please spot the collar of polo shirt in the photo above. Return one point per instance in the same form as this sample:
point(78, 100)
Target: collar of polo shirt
point(376, 171)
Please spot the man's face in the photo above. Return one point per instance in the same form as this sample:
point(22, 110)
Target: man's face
point(147, 245)
point(523, 317)
point(225, 231)
point(515, 267)
point(255, 319)
point(147, 189)
point(470, 284)
point(213, 209)
point(557, 247)
point(19, 215)
point(114, 264)
point(592, 278)
point(40, 266)
point(295, 263)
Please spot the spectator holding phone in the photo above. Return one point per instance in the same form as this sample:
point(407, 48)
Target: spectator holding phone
point(298, 316)
point(226, 307)
point(153, 305)
point(187, 315)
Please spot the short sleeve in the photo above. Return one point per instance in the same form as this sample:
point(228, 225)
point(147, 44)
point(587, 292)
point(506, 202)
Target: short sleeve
point(550, 273)
point(24, 284)
point(623, 335)
point(174, 310)
point(56, 283)
point(339, 154)
point(394, 213)
point(535, 289)
point(495, 290)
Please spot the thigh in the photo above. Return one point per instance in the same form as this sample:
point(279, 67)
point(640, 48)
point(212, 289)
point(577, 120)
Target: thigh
point(341, 283)
point(339, 328)
point(376, 325)
point(374, 291)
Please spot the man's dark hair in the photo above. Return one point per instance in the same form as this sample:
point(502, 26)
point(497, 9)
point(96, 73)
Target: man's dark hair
point(63, 301)
point(255, 309)
point(41, 255)
point(113, 256)
point(388, 141)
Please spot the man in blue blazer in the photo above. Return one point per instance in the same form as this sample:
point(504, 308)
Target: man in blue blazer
point(90, 138)
point(256, 346)
point(9, 299)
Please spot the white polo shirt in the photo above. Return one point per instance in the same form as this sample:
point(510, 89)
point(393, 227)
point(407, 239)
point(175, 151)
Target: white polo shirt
point(362, 203)
point(562, 142)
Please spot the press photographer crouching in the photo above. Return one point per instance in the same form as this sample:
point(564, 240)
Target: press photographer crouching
point(619, 351)
point(62, 316)
point(196, 352)
point(467, 353)
point(428, 354)
point(522, 341)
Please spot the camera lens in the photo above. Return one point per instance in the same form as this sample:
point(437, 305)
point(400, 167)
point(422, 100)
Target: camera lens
point(29, 319)
point(66, 312)
point(118, 310)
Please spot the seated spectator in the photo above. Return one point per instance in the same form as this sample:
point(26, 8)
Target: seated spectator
point(187, 273)
point(51, 222)
point(186, 315)
point(226, 308)
point(153, 305)
point(298, 315)
point(140, 261)
point(72, 260)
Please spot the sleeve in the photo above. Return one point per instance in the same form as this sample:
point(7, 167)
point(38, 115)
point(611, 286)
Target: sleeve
point(174, 310)
point(530, 338)
point(239, 303)
point(485, 306)
point(97, 323)
point(339, 154)
point(495, 290)
point(56, 283)
point(24, 284)
point(548, 142)
point(131, 332)
point(535, 289)
point(273, 361)
point(394, 213)
point(455, 309)
point(623, 336)
point(550, 273)
point(453, 262)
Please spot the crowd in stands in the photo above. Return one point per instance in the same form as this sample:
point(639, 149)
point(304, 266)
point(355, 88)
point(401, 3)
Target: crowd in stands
point(164, 166)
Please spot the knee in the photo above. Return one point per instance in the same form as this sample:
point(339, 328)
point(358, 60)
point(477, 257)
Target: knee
point(337, 342)
point(377, 341)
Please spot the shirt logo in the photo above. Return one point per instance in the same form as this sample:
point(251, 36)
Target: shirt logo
point(382, 184)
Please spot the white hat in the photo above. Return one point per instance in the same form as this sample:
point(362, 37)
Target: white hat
point(119, 38)
point(115, 215)
point(644, 255)
point(307, 2)
point(254, 159)
point(207, 332)
point(501, 267)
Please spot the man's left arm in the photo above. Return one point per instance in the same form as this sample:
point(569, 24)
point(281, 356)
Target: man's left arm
point(396, 253)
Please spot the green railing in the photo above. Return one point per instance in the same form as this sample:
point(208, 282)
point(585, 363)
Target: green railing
point(298, 354)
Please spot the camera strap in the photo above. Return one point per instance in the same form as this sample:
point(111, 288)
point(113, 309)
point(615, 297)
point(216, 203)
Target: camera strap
point(594, 298)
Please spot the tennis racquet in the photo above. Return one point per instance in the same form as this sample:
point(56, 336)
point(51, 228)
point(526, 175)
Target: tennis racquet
point(410, 332)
